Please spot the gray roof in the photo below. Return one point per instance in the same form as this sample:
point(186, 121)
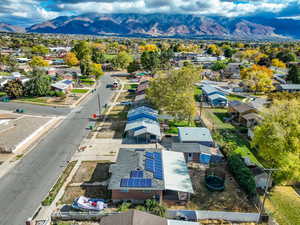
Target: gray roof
point(217, 96)
point(175, 173)
point(143, 109)
point(127, 161)
point(133, 217)
point(142, 126)
point(194, 134)
point(195, 148)
point(290, 86)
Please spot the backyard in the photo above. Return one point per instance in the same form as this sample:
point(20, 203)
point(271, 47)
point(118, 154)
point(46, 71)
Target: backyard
point(231, 199)
point(225, 132)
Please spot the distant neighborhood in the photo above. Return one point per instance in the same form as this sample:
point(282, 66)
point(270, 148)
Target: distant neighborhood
point(153, 131)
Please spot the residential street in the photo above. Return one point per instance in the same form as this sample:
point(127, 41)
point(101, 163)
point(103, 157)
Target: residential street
point(25, 186)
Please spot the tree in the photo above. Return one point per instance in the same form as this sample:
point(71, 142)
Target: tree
point(277, 139)
point(82, 50)
point(98, 56)
point(228, 52)
point(286, 56)
point(214, 50)
point(264, 61)
point(148, 48)
point(38, 61)
point(85, 66)
point(14, 88)
point(38, 85)
point(150, 61)
point(278, 63)
point(96, 70)
point(40, 50)
point(122, 60)
point(133, 66)
point(258, 78)
point(294, 74)
point(173, 92)
point(165, 56)
point(219, 65)
point(71, 59)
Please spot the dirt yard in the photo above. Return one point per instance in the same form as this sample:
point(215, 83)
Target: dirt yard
point(231, 199)
point(88, 172)
point(91, 171)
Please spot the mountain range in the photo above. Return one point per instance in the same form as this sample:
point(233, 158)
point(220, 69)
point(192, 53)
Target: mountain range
point(168, 25)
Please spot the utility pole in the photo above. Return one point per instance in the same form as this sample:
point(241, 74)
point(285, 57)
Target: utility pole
point(99, 104)
point(262, 207)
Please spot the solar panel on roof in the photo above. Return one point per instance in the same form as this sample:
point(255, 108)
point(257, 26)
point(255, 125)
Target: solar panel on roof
point(135, 182)
point(149, 154)
point(149, 165)
point(136, 174)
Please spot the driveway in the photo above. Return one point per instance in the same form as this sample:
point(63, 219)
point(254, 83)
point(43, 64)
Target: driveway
point(25, 186)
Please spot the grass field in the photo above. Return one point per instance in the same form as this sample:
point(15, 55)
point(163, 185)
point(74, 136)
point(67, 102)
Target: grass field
point(80, 91)
point(284, 205)
point(2, 94)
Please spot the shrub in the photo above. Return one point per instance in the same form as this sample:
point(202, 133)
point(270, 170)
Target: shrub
point(60, 93)
point(125, 206)
point(51, 93)
point(242, 174)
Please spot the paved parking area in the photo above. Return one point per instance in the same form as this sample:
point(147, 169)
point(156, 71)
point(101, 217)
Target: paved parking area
point(15, 131)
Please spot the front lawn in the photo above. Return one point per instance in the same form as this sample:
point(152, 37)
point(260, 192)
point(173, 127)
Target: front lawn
point(197, 93)
point(42, 100)
point(173, 126)
point(80, 91)
point(2, 94)
point(284, 205)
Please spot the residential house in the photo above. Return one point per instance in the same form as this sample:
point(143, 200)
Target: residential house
point(141, 89)
point(217, 100)
point(289, 87)
point(210, 90)
point(63, 85)
point(142, 112)
point(194, 152)
point(238, 109)
point(143, 130)
point(135, 217)
point(141, 174)
point(140, 100)
point(260, 177)
point(232, 71)
point(200, 135)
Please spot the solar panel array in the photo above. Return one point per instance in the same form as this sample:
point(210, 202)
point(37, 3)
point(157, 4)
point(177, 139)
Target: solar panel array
point(136, 174)
point(153, 163)
point(136, 182)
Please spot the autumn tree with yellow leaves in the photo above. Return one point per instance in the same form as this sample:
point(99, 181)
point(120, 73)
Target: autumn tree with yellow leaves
point(258, 78)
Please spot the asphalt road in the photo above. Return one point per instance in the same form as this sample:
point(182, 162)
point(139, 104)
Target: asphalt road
point(25, 186)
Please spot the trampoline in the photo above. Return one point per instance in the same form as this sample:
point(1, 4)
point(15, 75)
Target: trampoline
point(215, 179)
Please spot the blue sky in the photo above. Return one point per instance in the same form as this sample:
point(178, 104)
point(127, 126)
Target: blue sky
point(27, 12)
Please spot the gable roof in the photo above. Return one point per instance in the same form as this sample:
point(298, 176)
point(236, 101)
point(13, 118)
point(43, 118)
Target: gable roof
point(242, 107)
point(195, 148)
point(290, 86)
point(217, 96)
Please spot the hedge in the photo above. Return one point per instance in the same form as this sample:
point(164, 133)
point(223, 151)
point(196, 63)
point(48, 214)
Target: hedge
point(242, 174)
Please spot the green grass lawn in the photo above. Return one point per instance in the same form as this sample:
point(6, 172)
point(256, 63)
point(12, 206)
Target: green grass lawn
point(33, 99)
point(131, 86)
point(235, 98)
point(2, 94)
point(197, 92)
point(174, 124)
point(228, 133)
point(284, 205)
point(80, 91)
point(4, 74)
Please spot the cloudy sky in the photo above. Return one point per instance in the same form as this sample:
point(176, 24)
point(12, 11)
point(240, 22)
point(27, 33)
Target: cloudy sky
point(27, 12)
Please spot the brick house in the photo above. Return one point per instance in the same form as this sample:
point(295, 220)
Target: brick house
point(141, 174)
